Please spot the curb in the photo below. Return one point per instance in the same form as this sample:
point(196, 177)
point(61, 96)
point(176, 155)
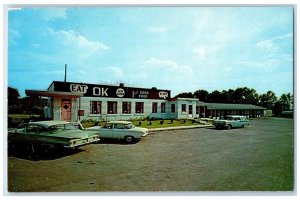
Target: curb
point(179, 128)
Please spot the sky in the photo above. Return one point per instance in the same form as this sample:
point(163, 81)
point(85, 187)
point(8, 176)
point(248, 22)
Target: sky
point(182, 49)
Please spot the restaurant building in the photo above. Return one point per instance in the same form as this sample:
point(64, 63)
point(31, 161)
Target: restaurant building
point(71, 101)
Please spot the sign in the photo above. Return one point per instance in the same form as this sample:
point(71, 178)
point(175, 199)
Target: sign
point(120, 92)
point(78, 88)
point(163, 94)
point(93, 90)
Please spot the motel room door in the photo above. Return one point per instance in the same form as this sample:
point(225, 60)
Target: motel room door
point(66, 109)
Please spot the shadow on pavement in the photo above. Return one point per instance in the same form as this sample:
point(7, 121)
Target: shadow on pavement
point(116, 141)
point(27, 153)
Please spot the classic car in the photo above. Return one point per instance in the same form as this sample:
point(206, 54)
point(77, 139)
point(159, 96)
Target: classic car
point(52, 134)
point(120, 130)
point(231, 121)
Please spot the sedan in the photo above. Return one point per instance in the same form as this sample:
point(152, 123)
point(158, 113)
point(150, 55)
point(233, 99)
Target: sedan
point(120, 130)
point(51, 134)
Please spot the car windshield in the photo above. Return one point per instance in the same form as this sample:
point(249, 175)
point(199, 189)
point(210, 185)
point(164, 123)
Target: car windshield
point(62, 127)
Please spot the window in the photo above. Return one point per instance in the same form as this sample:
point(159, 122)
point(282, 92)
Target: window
point(118, 126)
point(154, 107)
point(172, 108)
point(112, 107)
point(183, 107)
point(163, 107)
point(139, 107)
point(126, 108)
point(95, 107)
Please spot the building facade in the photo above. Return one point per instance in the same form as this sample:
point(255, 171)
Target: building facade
point(71, 101)
point(220, 110)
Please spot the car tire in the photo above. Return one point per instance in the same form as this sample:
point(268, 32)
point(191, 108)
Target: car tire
point(129, 139)
point(229, 127)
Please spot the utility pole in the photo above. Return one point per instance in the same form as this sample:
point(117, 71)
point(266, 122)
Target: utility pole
point(65, 72)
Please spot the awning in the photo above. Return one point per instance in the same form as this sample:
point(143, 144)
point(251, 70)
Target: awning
point(46, 93)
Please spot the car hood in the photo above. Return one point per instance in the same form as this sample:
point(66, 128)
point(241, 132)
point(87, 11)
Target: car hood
point(139, 129)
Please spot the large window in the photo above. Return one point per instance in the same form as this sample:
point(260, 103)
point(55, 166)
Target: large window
point(95, 107)
point(183, 107)
point(154, 107)
point(163, 107)
point(126, 108)
point(139, 107)
point(172, 108)
point(112, 107)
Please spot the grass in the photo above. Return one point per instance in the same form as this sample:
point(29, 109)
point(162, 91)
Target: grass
point(147, 124)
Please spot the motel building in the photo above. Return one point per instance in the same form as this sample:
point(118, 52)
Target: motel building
point(70, 101)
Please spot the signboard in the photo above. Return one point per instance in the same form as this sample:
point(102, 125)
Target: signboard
point(93, 90)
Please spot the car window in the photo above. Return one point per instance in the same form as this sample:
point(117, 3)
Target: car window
point(62, 127)
point(108, 126)
point(118, 126)
point(129, 126)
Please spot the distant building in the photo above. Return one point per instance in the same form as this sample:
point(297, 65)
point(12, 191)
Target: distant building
point(220, 110)
point(71, 101)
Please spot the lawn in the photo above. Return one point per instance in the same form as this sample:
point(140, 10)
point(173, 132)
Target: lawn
point(147, 124)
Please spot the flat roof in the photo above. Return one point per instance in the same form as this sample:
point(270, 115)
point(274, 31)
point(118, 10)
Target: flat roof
point(46, 93)
point(228, 106)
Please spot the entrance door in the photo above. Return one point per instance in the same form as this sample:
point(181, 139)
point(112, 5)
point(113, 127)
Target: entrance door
point(190, 111)
point(66, 109)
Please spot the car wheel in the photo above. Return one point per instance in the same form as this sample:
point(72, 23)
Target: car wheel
point(229, 127)
point(129, 139)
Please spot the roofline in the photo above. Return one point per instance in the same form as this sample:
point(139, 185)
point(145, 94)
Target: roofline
point(109, 85)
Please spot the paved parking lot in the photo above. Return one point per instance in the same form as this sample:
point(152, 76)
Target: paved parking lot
point(256, 158)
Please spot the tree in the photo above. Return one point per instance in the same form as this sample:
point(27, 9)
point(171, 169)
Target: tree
point(285, 103)
point(185, 95)
point(215, 97)
point(245, 96)
point(268, 100)
point(13, 101)
point(202, 95)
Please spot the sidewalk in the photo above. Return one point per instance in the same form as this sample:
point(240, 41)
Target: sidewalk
point(179, 128)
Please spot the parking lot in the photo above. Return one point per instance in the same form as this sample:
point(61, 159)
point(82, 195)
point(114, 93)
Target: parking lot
point(256, 158)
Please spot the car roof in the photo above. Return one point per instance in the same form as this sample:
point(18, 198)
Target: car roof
point(119, 122)
point(235, 116)
point(49, 123)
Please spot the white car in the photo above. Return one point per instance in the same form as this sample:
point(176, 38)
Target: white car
point(120, 130)
point(231, 121)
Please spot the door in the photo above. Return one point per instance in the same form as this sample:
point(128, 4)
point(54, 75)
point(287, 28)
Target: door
point(190, 111)
point(118, 131)
point(66, 110)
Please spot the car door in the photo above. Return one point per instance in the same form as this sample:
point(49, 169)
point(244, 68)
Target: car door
point(106, 131)
point(118, 131)
point(235, 123)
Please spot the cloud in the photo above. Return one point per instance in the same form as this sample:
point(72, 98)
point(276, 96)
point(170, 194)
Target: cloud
point(200, 52)
point(75, 42)
point(169, 65)
point(273, 43)
point(157, 29)
point(13, 36)
point(54, 13)
point(115, 71)
point(268, 65)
